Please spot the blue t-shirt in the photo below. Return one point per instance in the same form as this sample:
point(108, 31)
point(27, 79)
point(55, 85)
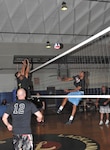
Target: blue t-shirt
point(21, 112)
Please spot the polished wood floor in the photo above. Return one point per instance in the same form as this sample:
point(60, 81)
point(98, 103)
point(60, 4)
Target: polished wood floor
point(85, 124)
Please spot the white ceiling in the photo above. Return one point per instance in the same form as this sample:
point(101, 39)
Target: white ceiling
point(39, 21)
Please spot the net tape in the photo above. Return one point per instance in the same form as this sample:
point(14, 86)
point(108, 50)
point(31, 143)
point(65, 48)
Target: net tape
point(72, 96)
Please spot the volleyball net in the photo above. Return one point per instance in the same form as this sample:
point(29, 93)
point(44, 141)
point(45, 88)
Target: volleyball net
point(91, 56)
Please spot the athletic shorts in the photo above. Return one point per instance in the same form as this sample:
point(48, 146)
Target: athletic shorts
point(104, 109)
point(24, 142)
point(75, 100)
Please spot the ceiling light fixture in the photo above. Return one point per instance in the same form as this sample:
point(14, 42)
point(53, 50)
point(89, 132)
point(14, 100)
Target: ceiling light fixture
point(64, 7)
point(48, 45)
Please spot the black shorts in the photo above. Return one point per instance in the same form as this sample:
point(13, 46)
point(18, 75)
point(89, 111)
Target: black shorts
point(23, 141)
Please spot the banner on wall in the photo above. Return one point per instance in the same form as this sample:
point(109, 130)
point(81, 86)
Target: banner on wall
point(36, 81)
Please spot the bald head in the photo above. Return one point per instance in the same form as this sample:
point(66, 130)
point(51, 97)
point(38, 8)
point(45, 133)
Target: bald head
point(21, 94)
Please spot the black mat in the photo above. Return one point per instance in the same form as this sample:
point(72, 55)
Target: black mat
point(57, 142)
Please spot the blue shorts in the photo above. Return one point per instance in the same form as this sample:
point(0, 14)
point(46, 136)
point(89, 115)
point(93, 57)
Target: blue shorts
point(75, 100)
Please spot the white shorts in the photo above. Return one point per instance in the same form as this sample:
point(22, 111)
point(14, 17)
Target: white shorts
point(104, 109)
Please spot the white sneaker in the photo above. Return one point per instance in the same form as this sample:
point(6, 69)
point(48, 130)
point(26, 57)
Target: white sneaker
point(58, 111)
point(101, 122)
point(107, 122)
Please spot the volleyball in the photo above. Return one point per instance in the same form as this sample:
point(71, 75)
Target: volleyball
point(57, 46)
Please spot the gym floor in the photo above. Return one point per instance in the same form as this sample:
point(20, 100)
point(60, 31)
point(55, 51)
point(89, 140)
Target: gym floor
point(85, 124)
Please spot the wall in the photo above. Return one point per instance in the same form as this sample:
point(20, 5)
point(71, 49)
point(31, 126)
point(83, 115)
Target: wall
point(8, 50)
point(7, 82)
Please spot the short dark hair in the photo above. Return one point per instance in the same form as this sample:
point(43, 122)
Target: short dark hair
point(16, 74)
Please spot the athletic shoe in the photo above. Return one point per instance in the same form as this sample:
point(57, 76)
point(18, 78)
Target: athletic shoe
point(101, 122)
point(69, 122)
point(42, 123)
point(58, 111)
point(107, 122)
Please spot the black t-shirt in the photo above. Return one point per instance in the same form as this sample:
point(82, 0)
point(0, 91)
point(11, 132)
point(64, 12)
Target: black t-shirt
point(21, 112)
point(79, 82)
point(38, 102)
point(25, 84)
point(103, 100)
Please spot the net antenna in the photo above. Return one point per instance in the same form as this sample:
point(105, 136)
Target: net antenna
point(94, 37)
